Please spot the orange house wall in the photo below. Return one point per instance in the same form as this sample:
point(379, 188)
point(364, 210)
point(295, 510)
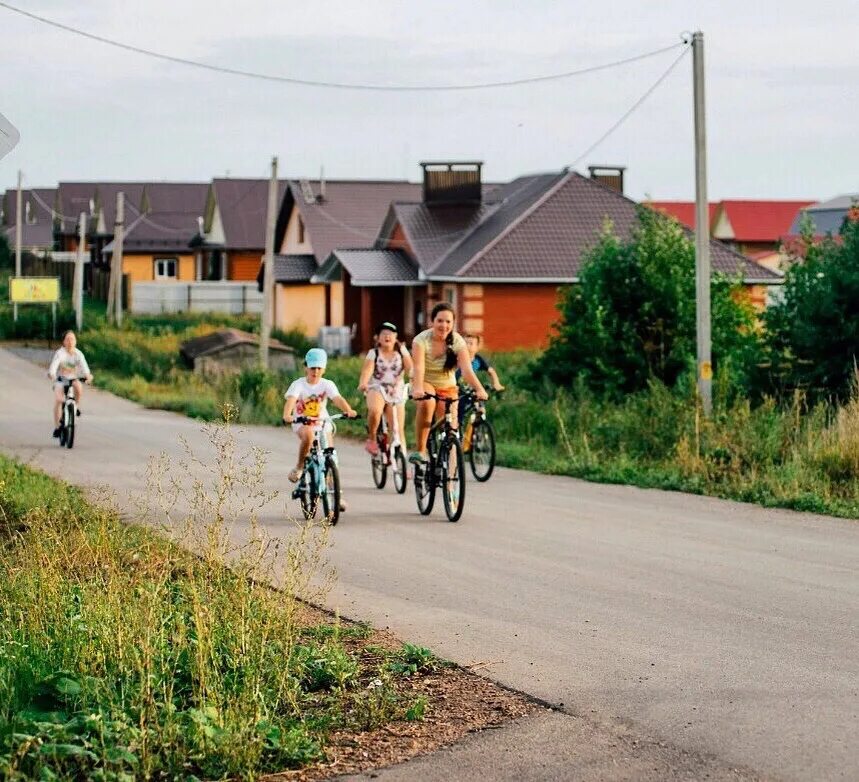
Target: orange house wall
point(518, 316)
point(244, 265)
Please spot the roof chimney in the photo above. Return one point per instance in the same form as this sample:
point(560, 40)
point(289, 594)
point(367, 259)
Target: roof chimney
point(610, 176)
point(452, 183)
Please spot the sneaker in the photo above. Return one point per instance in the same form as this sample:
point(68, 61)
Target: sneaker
point(343, 506)
point(372, 447)
point(294, 475)
point(57, 432)
point(78, 410)
point(418, 458)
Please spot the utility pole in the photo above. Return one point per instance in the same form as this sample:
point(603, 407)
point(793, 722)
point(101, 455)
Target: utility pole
point(78, 287)
point(268, 268)
point(19, 207)
point(114, 294)
point(702, 232)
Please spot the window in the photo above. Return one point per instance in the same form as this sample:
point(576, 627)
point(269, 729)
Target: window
point(449, 295)
point(165, 268)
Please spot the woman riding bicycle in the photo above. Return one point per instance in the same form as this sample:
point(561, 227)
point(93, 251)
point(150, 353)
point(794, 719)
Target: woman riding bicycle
point(382, 381)
point(437, 352)
point(67, 365)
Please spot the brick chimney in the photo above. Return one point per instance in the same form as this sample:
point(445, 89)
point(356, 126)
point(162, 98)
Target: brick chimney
point(452, 183)
point(611, 176)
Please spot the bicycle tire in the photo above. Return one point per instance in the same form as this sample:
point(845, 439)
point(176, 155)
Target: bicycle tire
point(307, 496)
point(70, 426)
point(400, 468)
point(379, 469)
point(331, 492)
point(482, 451)
point(452, 479)
point(424, 483)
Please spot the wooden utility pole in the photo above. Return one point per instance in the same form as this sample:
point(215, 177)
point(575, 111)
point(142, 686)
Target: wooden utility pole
point(114, 293)
point(702, 231)
point(19, 208)
point(78, 288)
point(268, 268)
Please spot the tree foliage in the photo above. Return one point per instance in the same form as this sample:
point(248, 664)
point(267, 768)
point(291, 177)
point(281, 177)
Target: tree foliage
point(631, 319)
point(6, 256)
point(813, 333)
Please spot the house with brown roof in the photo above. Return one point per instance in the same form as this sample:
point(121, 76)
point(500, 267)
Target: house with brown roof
point(499, 255)
point(37, 219)
point(159, 229)
point(231, 243)
point(316, 217)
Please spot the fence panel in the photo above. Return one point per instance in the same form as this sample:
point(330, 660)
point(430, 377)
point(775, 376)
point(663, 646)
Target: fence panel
point(235, 298)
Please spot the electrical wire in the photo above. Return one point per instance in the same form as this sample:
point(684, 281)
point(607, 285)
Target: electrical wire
point(341, 85)
point(632, 109)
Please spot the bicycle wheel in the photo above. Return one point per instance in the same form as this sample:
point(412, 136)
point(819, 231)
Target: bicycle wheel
point(307, 495)
point(482, 450)
point(331, 493)
point(401, 476)
point(380, 469)
point(424, 482)
point(70, 426)
point(452, 478)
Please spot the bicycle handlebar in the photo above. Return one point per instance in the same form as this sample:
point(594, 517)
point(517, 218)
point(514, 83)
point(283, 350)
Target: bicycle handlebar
point(304, 420)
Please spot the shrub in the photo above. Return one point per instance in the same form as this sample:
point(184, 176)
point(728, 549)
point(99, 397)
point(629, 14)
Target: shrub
point(631, 318)
point(813, 333)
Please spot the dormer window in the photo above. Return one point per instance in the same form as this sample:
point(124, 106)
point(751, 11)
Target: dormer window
point(29, 215)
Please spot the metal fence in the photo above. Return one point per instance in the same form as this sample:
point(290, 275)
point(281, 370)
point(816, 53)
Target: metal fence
point(235, 298)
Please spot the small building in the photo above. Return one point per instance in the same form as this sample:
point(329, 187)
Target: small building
point(229, 351)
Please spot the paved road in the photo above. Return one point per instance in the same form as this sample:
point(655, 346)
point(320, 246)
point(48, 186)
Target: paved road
point(698, 628)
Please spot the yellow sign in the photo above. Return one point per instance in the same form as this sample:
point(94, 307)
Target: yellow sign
point(34, 290)
point(706, 370)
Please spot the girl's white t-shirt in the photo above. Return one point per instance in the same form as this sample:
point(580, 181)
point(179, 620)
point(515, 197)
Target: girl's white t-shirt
point(312, 399)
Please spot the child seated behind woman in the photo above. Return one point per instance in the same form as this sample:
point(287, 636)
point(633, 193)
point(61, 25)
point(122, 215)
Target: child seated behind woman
point(382, 381)
point(308, 397)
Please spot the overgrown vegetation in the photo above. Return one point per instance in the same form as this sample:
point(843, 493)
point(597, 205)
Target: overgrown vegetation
point(123, 656)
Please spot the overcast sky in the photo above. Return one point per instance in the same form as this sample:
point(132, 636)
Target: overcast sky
point(782, 94)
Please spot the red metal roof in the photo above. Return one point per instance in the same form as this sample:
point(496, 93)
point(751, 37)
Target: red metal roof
point(682, 211)
point(761, 221)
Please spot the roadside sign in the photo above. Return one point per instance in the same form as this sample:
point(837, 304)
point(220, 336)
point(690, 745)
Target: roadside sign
point(9, 136)
point(34, 290)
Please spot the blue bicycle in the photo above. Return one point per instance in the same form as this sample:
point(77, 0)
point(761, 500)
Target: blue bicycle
point(319, 484)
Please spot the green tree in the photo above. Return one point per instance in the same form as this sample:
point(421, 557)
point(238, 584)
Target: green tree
point(813, 333)
point(631, 319)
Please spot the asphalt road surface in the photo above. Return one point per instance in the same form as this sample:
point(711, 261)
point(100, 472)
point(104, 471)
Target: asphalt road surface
point(677, 636)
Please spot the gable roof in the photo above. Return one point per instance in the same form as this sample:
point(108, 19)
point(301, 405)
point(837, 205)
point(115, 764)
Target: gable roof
point(374, 268)
point(222, 339)
point(351, 212)
point(826, 216)
point(38, 232)
point(683, 211)
point(761, 221)
point(242, 205)
point(76, 197)
point(540, 230)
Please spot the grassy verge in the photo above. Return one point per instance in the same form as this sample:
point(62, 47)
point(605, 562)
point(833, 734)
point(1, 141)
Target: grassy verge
point(124, 657)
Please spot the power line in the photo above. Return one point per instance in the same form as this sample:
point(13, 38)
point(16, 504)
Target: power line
point(632, 109)
point(341, 85)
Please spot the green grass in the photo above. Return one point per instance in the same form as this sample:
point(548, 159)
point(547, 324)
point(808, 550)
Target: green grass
point(124, 657)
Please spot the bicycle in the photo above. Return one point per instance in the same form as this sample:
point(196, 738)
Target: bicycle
point(390, 454)
point(444, 468)
point(478, 437)
point(69, 414)
point(320, 477)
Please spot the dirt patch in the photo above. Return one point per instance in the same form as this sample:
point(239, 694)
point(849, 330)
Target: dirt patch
point(459, 702)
